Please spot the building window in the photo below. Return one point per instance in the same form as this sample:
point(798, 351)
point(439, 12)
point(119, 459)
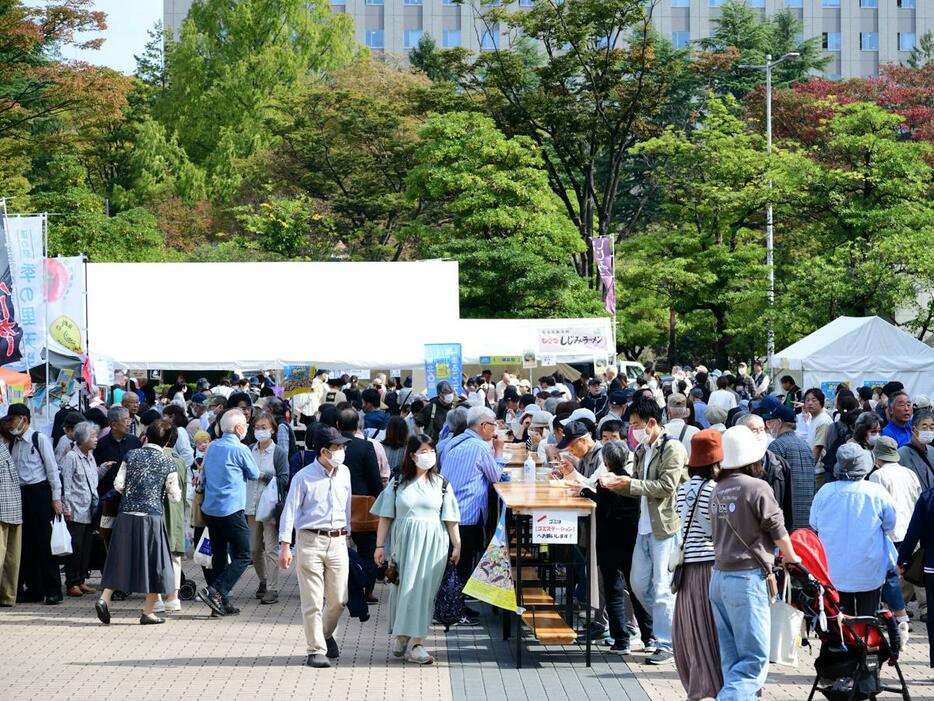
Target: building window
point(526, 3)
point(794, 3)
point(716, 3)
point(831, 41)
point(374, 39)
point(490, 40)
point(906, 3)
point(680, 3)
point(756, 3)
point(451, 39)
point(799, 38)
point(869, 4)
point(338, 2)
point(450, 2)
point(680, 39)
point(830, 3)
point(869, 41)
point(374, 2)
point(906, 41)
point(413, 2)
point(410, 38)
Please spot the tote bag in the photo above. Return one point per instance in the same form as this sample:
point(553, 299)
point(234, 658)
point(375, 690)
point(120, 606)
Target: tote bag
point(61, 538)
point(785, 632)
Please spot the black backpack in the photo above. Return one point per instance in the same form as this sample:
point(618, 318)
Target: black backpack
point(830, 454)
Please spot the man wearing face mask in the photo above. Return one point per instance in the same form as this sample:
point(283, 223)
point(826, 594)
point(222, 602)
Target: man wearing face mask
point(660, 462)
point(432, 417)
point(227, 467)
point(318, 508)
point(780, 422)
point(596, 399)
point(41, 494)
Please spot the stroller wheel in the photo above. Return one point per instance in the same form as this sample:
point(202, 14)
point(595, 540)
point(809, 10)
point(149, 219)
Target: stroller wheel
point(187, 591)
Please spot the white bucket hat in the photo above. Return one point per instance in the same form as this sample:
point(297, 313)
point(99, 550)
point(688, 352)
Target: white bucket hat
point(740, 448)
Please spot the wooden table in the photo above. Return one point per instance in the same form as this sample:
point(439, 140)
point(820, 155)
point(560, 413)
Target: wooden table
point(520, 500)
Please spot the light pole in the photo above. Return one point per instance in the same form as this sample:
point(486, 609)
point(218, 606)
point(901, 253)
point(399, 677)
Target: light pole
point(769, 222)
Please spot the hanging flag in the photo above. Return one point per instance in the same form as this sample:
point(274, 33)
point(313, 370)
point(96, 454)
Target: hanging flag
point(11, 334)
point(443, 361)
point(67, 313)
point(492, 581)
point(24, 243)
point(603, 257)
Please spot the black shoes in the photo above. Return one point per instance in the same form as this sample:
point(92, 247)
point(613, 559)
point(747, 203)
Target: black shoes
point(319, 661)
point(52, 600)
point(150, 620)
point(333, 651)
point(213, 600)
point(103, 612)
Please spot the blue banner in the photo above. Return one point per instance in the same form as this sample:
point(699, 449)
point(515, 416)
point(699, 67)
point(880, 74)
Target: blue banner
point(443, 362)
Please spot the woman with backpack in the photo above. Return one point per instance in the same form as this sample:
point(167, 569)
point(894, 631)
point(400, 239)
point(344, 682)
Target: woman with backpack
point(418, 517)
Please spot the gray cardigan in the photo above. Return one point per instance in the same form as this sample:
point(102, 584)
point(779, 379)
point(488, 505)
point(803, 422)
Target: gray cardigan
point(909, 457)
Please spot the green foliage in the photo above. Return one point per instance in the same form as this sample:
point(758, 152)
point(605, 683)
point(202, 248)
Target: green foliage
point(487, 199)
point(923, 53)
point(437, 64)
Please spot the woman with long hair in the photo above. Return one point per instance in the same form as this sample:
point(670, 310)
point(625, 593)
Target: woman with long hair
point(418, 517)
point(397, 435)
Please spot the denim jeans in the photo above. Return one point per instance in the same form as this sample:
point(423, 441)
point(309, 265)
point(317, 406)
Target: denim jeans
point(229, 535)
point(651, 583)
point(740, 603)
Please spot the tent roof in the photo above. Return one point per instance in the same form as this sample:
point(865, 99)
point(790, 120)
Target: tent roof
point(865, 344)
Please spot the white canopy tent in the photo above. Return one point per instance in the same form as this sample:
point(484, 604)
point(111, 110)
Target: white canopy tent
point(259, 315)
point(860, 350)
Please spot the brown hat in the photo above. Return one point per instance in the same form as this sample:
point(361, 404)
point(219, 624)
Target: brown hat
point(706, 448)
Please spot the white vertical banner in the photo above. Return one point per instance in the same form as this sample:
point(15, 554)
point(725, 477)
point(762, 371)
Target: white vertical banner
point(67, 313)
point(24, 239)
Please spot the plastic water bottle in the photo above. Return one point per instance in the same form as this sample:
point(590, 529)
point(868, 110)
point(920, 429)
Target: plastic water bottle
point(528, 469)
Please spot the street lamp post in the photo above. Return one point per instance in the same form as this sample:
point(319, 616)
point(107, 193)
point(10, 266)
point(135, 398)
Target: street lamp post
point(769, 221)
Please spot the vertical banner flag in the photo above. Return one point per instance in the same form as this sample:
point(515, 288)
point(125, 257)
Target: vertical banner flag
point(65, 291)
point(11, 333)
point(24, 240)
point(443, 362)
point(603, 257)
point(491, 581)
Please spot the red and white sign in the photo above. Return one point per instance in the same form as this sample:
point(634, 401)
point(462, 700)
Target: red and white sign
point(554, 526)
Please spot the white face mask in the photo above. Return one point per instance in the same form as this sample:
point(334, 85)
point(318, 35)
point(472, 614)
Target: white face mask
point(447, 398)
point(337, 458)
point(871, 438)
point(263, 435)
point(764, 438)
point(926, 436)
point(16, 431)
point(425, 461)
point(640, 434)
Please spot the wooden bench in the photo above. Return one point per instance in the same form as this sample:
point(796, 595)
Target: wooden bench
point(549, 628)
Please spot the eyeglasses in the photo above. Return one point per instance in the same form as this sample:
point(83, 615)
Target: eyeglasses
point(487, 423)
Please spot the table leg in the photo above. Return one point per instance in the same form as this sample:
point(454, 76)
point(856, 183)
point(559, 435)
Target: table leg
point(506, 615)
point(518, 524)
point(590, 574)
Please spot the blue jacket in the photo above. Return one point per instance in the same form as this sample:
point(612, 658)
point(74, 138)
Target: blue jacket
point(377, 419)
point(356, 587)
point(921, 528)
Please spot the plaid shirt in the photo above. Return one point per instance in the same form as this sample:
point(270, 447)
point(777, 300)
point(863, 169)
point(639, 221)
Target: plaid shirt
point(11, 502)
point(801, 461)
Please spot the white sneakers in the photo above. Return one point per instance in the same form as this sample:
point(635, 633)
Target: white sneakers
point(419, 655)
point(399, 644)
point(903, 635)
point(167, 607)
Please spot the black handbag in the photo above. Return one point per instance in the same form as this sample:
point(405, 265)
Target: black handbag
point(914, 570)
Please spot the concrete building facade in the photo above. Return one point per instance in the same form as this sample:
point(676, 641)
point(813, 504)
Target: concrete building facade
point(858, 35)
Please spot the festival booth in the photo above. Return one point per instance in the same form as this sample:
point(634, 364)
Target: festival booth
point(861, 351)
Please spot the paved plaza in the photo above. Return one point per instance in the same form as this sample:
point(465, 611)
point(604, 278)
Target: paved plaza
point(63, 652)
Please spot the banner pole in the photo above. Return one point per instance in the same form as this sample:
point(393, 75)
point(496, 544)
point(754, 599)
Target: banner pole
point(45, 298)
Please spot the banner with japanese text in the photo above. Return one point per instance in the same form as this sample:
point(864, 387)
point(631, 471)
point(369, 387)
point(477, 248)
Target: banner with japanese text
point(491, 581)
point(572, 340)
point(24, 243)
point(11, 333)
point(443, 361)
point(65, 288)
point(603, 259)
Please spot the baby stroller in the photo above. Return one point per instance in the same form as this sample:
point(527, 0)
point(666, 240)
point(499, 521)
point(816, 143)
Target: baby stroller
point(853, 648)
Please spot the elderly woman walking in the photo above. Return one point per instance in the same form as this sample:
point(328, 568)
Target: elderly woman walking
point(747, 525)
point(79, 499)
point(852, 517)
point(139, 559)
point(697, 652)
point(418, 517)
point(11, 525)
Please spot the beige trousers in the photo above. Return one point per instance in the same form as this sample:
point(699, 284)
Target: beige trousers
point(322, 568)
point(10, 549)
point(177, 568)
point(264, 542)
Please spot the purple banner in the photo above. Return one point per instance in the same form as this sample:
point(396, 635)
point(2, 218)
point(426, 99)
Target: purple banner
point(603, 257)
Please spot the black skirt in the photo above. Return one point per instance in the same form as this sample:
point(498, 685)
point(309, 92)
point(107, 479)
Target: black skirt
point(138, 559)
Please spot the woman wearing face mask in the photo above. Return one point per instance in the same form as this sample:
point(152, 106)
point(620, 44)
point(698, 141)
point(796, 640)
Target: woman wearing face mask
point(866, 430)
point(418, 517)
point(433, 415)
point(919, 454)
point(273, 463)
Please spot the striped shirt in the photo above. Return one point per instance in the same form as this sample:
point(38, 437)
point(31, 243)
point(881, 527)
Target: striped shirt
point(468, 464)
point(698, 544)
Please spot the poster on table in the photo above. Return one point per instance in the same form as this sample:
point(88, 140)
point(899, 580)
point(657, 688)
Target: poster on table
point(443, 361)
point(65, 288)
point(24, 249)
point(572, 340)
point(491, 581)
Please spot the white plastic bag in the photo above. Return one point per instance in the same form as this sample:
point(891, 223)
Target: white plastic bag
point(61, 538)
point(785, 632)
point(203, 553)
point(268, 501)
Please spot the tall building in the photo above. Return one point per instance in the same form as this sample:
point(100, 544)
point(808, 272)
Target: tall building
point(858, 35)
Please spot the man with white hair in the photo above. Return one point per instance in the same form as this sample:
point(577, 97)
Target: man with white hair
point(677, 424)
point(471, 467)
point(777, 469)
point(228, 465)
point(613, 382)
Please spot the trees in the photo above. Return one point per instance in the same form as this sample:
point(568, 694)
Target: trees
point(488, 206)
point(923, 54)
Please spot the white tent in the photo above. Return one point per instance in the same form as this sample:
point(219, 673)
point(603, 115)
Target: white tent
point(206, 316)
point(860, 350)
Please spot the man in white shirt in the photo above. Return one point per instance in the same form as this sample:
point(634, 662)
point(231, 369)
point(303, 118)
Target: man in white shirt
point(318, 508)
point(501, 386)
point(760, 381)
point(677, 426)
point(722, 397)
point(816, 421)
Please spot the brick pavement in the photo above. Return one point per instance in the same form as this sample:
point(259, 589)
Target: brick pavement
point(64, 652)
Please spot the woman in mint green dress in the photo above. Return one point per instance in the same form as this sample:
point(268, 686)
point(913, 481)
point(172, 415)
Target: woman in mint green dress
point(418, 519)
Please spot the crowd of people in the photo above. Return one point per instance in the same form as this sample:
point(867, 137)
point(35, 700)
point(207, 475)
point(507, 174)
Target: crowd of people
point(698, 476)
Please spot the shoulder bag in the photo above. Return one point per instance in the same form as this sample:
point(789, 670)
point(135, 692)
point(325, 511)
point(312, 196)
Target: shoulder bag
point(771, 582)
point(677, 572)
